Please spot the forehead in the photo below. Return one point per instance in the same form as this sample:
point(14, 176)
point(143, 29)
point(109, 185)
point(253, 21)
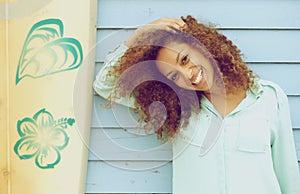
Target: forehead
point(170, 51)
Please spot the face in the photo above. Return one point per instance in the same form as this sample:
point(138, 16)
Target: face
point(186, 67)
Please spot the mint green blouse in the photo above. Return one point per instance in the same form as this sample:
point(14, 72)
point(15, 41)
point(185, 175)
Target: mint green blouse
point(250, 151)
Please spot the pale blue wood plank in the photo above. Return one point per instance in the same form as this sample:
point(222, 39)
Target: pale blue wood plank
point(117, 177)
point(285, 75)
point(108, 40)
point(256, 45)
point(294, 102)
point(297, 142)
point(267, 45)
point(119, 116)
point(227, 13)
point(119, 144)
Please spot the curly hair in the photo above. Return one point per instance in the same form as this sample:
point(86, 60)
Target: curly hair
point(138, 76)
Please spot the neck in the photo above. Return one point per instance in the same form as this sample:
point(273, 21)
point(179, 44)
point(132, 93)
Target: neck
point(225, 102)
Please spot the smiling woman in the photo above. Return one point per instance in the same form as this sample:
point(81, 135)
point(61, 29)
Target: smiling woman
point(221, 118)
point(157, 46)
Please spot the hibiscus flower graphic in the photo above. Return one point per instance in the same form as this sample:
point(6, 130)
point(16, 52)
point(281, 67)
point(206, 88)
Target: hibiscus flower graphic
point(42, 138)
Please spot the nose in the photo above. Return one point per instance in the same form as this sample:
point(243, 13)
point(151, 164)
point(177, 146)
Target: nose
point(188, 71)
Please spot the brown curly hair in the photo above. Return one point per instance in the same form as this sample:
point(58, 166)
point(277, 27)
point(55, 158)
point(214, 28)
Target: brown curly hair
point(138, 76)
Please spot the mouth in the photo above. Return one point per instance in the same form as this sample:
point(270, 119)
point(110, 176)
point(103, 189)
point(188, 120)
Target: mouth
point(197, 77)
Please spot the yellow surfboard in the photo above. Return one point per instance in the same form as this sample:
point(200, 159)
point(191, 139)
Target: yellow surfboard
point(47, 58)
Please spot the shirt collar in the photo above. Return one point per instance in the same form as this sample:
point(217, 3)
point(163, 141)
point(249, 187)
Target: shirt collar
point(256, 89)
point(252, 94)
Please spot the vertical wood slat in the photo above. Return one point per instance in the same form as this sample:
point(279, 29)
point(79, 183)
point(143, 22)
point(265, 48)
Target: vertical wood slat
point(4, 164)
point(50, 88)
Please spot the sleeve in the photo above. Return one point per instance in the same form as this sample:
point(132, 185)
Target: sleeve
point(104, 83)
point(283, 149)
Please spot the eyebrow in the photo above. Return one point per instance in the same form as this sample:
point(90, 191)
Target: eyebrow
point(177, 58)
point(169, 73)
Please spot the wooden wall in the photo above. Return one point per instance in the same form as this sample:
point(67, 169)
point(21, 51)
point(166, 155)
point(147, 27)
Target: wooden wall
point(266, 31)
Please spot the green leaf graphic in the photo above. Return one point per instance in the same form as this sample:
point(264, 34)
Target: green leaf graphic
point(46, 51)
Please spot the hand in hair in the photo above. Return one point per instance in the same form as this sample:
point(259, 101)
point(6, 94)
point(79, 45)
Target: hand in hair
point(165, 23)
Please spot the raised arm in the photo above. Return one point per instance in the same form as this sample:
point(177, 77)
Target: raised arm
point(105, 83)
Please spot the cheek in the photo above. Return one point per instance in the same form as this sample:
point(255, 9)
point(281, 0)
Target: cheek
point(162, 68)
point(183, 83)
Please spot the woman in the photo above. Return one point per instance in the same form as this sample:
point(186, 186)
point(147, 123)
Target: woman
point(231, 131)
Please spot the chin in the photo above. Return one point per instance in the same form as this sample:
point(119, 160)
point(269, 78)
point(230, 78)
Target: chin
point(193, 88)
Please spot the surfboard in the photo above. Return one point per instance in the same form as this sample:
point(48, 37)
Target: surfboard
point(48, 98)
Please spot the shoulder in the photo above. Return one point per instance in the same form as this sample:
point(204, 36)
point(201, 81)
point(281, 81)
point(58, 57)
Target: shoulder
point(273, 90)
point(269, 85)
point(116, 53)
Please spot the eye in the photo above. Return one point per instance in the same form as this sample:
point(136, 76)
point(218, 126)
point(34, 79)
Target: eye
point(184, 59)
point(174, 77)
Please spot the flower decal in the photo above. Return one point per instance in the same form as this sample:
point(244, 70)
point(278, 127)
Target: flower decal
point(42, 138)
point(47, 51)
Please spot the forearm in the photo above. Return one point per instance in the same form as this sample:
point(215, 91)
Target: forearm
point(104, 83)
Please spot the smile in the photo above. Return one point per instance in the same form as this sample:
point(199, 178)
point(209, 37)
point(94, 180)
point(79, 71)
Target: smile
point(198, 77)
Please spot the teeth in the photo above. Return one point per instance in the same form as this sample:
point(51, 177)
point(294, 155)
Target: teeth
point(198, 78)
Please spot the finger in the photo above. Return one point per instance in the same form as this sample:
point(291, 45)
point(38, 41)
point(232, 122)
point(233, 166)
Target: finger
point(176, 23)
point(168, 23)
point(181, 23)
point(165, 26)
